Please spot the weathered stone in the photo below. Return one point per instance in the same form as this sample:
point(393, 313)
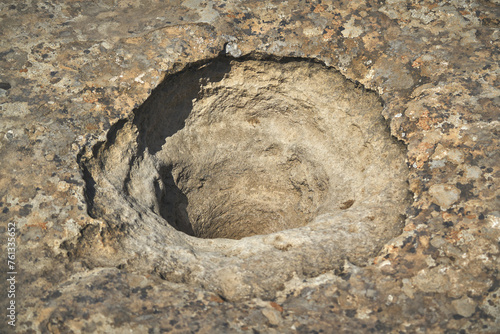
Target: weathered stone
point(465, 306)
point(272, 316)
point(444, 195)
point(73, 72)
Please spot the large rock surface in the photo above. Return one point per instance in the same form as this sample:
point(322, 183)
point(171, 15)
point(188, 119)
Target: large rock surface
point(72, 70)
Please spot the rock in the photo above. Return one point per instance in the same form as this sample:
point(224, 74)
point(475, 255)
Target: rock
point(464, 306)
point(273, 316)
point(444, 195)
point(93, 248)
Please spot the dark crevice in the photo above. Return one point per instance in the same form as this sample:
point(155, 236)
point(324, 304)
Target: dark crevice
point(90, 187)
point(172, 201)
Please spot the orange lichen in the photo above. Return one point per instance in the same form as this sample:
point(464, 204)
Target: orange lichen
point(328, 34)
point(42, 225)
point(319, 9)
point(276, 306)
point(424, 121)
point(417, 63)
point(216, 299)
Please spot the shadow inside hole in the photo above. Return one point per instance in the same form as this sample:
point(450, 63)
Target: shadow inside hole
point(164, 113)
point(172, 202)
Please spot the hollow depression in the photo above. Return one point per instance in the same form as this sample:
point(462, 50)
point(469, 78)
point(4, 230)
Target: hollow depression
point(287, 151)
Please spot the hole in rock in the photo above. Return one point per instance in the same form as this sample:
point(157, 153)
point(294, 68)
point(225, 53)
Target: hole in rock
point(235, 148)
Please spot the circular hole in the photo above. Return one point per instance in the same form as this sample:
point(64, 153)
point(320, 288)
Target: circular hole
point(236, 148)
point(286, 156)
point(241, 177)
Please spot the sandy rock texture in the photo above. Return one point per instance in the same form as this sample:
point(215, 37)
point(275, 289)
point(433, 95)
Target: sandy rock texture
point(74, 77)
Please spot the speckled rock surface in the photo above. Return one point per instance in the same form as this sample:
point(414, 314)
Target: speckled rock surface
point(71, 69)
